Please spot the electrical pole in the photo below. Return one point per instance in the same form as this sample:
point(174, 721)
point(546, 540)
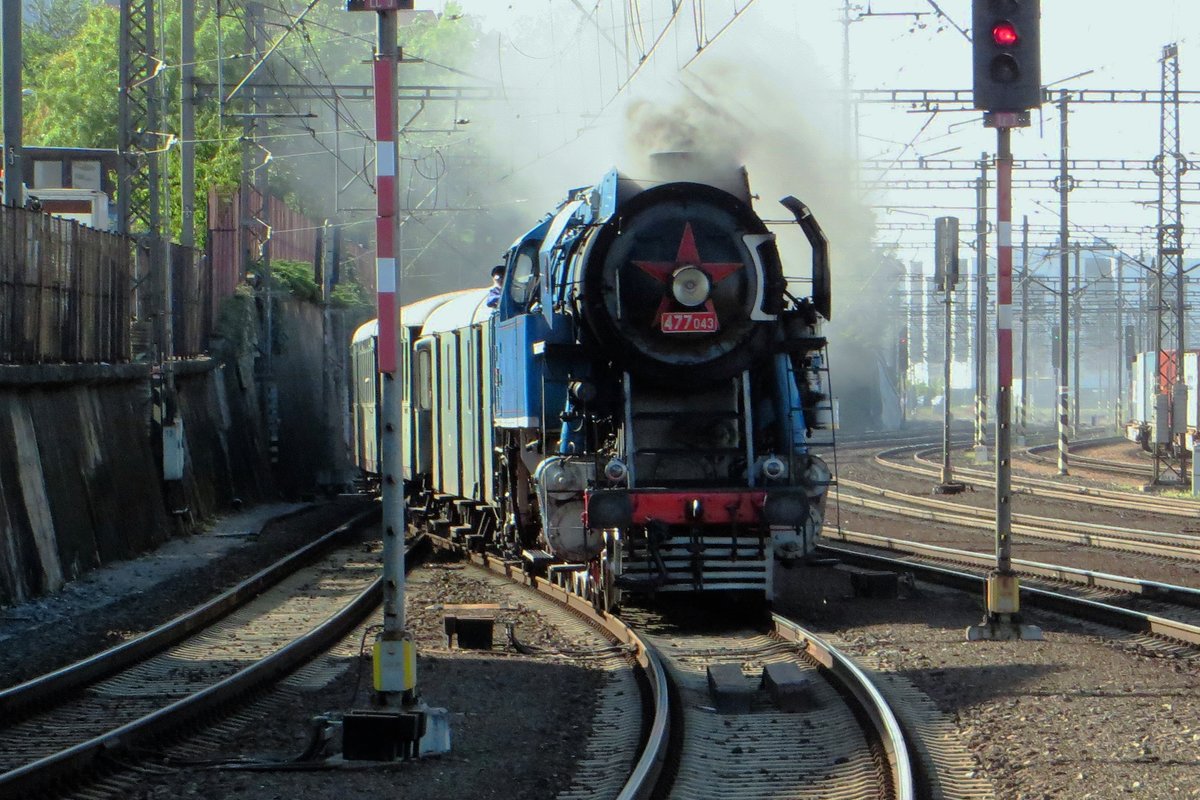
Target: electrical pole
point(1064, 235)
point(846, 98)
point(1122, 353)
point(138, 183)
point(10, 28)
point(1024, 402)
point(173, 441)
point(187, 124)
point(981, 301)
point(1077, 304)
point(1170, 453)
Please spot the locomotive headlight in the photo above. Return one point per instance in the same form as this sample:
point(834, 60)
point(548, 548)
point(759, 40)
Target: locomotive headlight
point(616, 471)
point(690, 286)
point(773, 468)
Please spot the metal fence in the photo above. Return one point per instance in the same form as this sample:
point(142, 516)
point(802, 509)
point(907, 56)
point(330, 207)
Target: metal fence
point(64, 291)
point(191, 301)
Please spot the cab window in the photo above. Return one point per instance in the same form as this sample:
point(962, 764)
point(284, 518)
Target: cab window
point(523, 278)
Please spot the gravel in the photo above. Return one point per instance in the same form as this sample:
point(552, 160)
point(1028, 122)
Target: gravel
point(1090, 712)
point(519, 723)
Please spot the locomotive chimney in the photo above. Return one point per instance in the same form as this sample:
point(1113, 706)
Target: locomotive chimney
point(682, 165)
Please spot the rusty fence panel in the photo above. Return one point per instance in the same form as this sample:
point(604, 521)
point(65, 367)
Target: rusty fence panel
point(64, 291)
point(191, 301)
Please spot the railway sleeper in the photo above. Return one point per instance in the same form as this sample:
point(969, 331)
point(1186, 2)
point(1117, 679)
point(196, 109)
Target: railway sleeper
point(731, 691)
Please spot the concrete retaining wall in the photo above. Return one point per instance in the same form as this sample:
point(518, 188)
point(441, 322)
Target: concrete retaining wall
point(80, 477)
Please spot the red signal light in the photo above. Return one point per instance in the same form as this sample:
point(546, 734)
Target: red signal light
point(1005, 34)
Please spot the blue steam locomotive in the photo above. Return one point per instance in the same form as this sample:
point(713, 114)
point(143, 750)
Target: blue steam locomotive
point(644, 407)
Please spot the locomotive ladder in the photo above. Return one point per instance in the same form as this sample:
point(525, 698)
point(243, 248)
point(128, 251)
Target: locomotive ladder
point(823, 436)
point(822, 440)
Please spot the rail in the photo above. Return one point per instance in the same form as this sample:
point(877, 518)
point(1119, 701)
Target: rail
point(144, 731)
point(887, 727)
point(1127, 619)
point(643, 779)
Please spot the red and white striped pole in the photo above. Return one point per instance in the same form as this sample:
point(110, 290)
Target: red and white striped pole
point(1004, 356)
point(386, 278)
point(395, 659)
point(1003, 589)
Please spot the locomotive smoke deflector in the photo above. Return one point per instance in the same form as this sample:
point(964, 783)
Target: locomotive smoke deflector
point(822, 288)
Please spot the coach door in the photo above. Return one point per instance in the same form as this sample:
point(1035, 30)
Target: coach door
point(423, 407)
point(483, 349)
point(469, 406)
point(449, 401)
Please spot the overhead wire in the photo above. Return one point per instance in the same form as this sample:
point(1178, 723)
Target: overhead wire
point(358, 171)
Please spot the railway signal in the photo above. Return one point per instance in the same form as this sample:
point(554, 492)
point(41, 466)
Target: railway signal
point(1007, 54)
point(945, 276)
point(1007, 85)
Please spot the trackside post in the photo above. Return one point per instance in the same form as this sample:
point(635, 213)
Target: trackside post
point(1006, 85)
point(399, 725)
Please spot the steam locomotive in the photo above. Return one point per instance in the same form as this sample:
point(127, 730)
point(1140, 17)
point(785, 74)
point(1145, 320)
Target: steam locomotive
point(641, 412)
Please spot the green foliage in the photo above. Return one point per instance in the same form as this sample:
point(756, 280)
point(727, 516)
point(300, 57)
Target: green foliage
point(296, 277)
point(49, 22)
point(351, 295)
point(74, 82)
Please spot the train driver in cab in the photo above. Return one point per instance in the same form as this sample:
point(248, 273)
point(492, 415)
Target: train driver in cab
point(493, 296)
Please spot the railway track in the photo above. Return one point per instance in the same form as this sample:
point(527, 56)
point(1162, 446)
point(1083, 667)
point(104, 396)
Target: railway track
point(1183, 547)
point(1144, 471)
point(693, 751)
point(1096, 603)
point(1128, 501)
point(107, 709)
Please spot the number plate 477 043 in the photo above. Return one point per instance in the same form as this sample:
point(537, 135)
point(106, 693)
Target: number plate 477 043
point(689, 322)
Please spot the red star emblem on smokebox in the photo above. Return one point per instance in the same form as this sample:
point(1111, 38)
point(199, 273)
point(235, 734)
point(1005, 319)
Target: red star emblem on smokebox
point(662, 271)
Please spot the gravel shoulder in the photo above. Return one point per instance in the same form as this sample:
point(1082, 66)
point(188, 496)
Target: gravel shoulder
point(1089, 713)
point(520, 723)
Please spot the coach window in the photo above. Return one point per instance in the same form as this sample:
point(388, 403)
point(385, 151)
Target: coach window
point(424, 378)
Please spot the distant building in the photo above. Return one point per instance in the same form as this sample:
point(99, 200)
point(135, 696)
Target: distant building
point(73, 182)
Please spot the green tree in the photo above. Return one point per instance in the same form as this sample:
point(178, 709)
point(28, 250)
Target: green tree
point(74, 81)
